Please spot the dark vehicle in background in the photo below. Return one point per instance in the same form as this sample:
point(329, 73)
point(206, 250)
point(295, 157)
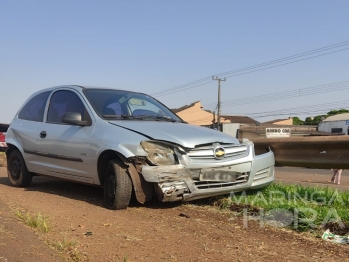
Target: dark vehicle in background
point(3, 130)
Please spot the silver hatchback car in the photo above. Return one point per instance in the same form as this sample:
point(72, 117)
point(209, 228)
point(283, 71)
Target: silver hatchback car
point(126, 141)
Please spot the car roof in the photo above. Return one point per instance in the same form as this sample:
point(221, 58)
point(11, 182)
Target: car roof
point(79, 87)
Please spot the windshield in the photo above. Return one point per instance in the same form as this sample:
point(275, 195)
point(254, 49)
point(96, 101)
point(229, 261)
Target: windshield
point(123, 105)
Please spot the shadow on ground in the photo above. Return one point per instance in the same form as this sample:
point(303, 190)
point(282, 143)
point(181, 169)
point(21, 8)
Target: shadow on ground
point(82, 192)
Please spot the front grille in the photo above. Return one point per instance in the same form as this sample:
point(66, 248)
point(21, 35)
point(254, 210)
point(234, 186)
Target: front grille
point(219, 184)
point(204, 153)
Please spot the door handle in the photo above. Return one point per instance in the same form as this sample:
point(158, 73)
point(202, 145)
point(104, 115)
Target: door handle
point(43, 134)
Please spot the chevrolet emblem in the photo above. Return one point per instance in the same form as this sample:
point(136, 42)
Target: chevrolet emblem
point(219, 152)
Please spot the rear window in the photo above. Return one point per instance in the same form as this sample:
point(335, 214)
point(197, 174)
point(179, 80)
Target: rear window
point(34, 109)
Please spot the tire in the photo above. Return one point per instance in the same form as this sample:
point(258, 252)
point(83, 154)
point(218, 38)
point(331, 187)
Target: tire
point(17, 171)
point(117, 186)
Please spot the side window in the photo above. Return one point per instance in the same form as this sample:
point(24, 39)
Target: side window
point(112, 109)
point(34, 109)
point(65, 101)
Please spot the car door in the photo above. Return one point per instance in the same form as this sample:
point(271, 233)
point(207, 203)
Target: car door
point(65, 149)
point(25, 127)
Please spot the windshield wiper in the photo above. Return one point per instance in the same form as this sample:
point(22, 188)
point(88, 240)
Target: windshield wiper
point(165, 118)
point(117, 117)
point(141, 117)
point(156, 118)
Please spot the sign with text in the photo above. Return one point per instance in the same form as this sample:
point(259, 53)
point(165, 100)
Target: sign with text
point(278, 132)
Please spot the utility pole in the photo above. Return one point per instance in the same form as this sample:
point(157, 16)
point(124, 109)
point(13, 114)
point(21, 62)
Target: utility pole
point(219, 99)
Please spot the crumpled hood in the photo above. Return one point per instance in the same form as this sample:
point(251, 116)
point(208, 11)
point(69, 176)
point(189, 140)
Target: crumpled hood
point(179, 133)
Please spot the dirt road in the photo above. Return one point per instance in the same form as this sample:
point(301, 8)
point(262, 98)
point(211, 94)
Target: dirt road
point(82, 229)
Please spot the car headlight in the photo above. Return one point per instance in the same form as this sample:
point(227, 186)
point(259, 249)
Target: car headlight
point(159, 153)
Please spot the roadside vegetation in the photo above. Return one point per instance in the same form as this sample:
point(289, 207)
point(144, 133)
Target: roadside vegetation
point(302, 208)
point(37, 222)
point(317, 119)
point(68, 249)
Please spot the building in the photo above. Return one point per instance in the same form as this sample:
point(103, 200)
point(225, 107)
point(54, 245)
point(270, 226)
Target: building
point(242, 120)
point(240, 126)
point(287, 122)
point(253, 132)
point(195, 114)
point(337, 124)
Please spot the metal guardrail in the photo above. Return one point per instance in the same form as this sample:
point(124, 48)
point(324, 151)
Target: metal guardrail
point(314, 152)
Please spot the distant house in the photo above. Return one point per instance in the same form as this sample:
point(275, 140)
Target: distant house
point(337, 124)
point(242, 120)
point(195, 115)
point(286, 122)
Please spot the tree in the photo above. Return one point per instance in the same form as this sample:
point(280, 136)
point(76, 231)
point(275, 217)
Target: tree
point(297, 121)
point(308, 121)
point(318, 119)
point(336, 112)
point(314, 120)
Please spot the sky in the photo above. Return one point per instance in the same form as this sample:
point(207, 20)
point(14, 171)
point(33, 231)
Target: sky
point(151, 46)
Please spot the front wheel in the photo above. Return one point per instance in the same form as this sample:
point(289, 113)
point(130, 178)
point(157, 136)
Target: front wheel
point(117, 186)
point(17, 171)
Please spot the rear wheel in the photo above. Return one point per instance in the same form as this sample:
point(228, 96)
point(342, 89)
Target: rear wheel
point(117, 186)
point(17, 171)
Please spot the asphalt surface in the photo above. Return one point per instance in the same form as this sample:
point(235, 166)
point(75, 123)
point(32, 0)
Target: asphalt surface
point(310, 177)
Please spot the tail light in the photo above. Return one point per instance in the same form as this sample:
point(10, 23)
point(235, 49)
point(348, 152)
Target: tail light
point(2, 137)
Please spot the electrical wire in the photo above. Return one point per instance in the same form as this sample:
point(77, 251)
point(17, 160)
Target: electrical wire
point(284, 95)
point(300, 110)
point(237, 72)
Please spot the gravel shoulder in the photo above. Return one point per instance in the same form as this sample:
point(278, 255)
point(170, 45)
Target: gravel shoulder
point(87, 231)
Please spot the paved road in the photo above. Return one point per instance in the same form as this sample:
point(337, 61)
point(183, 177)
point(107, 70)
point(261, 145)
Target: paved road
point(307, 176)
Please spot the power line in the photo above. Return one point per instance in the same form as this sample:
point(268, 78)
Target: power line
point(325, 107)
point(256, 71)
point(258, 65)
point(290, 111)
point(287, 58)
point(284, 95)
point(237, 72)
point(301, 110)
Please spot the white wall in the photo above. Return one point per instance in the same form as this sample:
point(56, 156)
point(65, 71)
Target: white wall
point(327, 126)
point(231, 129)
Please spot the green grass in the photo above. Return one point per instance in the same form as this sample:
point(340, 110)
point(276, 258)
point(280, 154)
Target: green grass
point(68, 249)
point(123, 260)
point(64, 244)
point(304, 207)
point(37, 222)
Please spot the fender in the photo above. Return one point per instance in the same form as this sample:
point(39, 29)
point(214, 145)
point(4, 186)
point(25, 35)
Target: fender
point(142, 188)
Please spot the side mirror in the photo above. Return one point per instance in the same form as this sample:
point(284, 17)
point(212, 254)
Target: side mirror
point(73, 118)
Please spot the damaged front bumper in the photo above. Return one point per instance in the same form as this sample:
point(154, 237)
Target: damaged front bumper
point(189, 181)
